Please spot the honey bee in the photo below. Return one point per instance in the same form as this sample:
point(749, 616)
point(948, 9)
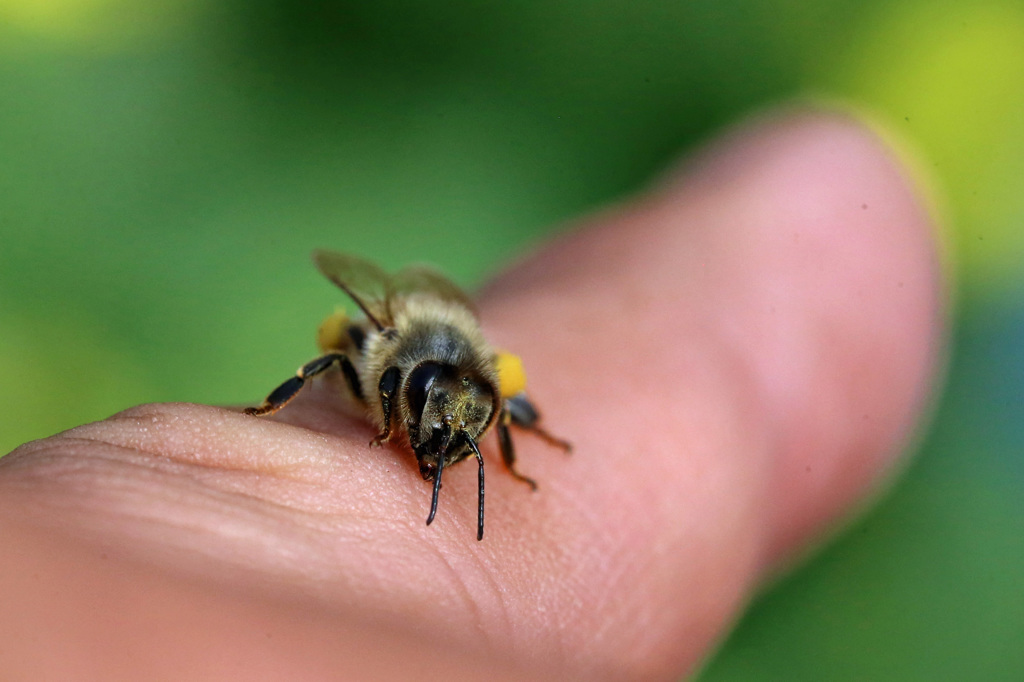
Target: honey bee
point(418, 364)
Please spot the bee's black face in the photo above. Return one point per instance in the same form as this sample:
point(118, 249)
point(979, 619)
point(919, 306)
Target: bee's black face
point(445, 407)
point(435, 446)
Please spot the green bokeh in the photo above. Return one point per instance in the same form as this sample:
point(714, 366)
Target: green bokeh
point(166, 167)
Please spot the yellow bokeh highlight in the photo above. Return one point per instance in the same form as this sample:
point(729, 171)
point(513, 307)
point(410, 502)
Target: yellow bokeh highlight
point(950, 77)
point(112, 24)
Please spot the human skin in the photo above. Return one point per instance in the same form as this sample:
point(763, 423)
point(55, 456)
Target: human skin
point(739, 356)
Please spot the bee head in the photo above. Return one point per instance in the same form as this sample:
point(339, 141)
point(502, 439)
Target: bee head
point(447, 406)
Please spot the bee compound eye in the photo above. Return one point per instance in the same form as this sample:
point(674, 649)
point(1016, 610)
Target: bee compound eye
point(418, 386)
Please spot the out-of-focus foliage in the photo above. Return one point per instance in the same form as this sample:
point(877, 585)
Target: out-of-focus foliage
point(165, 168)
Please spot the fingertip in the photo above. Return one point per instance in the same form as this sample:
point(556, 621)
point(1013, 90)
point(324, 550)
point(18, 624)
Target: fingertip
point(840, 300)
point(740, 354)
point(847, 336)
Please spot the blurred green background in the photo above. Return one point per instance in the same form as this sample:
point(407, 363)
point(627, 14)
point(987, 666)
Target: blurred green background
point(165, 168)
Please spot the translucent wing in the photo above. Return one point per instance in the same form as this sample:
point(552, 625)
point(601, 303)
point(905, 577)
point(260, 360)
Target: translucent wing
point(422, 279)
point(366, 284)
point(373, 289)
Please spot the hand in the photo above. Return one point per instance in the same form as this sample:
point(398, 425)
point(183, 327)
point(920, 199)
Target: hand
point(737, 356)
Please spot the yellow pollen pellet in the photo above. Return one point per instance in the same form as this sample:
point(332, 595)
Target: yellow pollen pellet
point(511, 377)
point(333, 331)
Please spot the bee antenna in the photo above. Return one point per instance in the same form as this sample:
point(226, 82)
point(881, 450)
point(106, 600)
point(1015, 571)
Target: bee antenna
point(437, 489)
point(480, 493)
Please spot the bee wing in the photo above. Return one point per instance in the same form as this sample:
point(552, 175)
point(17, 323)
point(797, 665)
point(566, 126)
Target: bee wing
point(423, 279)
point(373, 289)
point(365, 283)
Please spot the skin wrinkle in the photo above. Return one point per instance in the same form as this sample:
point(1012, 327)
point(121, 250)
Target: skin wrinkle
point(62, 466)
point(311, 460)
point(210, 498)
point(529, 586)
point(161, 420)
point(284, 536)
point(487, 570)
point(470, 599)
point(171, 463)
point(533, 586)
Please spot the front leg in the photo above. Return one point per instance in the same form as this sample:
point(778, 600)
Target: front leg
point(388, 389)
point(284, 393)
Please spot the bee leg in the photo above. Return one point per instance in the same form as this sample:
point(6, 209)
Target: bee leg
point(283, 394)
point(508, 452)
point(524, 415)
point(388, 387)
